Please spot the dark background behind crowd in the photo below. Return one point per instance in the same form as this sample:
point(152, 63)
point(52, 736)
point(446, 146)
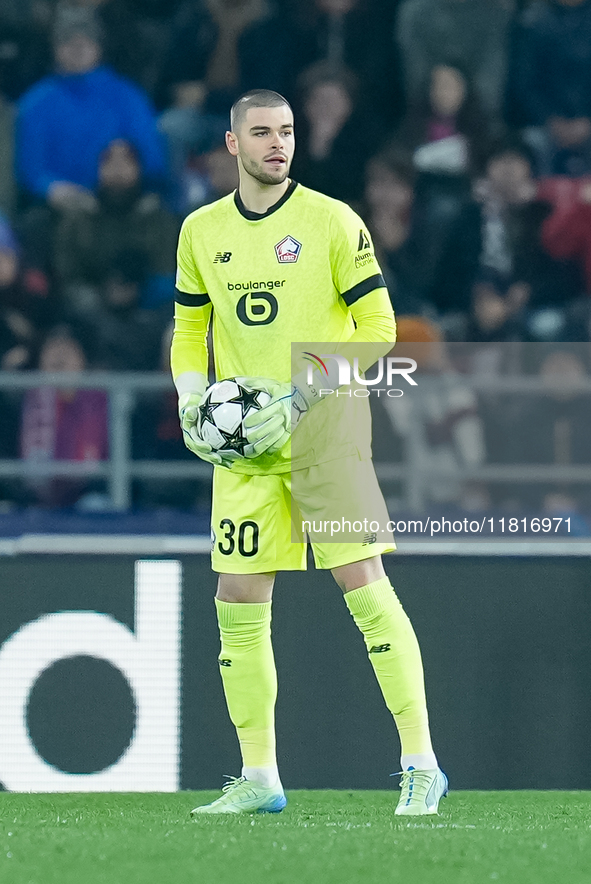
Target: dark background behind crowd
point(459, 129)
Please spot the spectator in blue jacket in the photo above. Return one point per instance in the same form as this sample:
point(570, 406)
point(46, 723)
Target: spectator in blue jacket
point(67, 120)
point(550, 84)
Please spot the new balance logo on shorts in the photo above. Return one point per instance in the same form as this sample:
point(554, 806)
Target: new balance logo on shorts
point(379, 649)
point(222, 257)
point(229, 662)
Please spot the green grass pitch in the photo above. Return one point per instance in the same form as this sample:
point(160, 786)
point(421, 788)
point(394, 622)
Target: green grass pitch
point(321, 837)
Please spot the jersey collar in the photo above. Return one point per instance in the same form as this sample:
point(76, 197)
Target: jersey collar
point(255, 216)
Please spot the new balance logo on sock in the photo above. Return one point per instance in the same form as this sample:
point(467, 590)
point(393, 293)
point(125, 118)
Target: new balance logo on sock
point(229, 662)
point(379, 649)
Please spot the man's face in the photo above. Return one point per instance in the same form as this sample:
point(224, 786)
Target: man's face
point(78, 55)
point(119, 168)
point(329, 102)
point(222, 171)
point(511, 177)
point(448, 90)
point(264, 143)
point(61, 354)
point(386, 191)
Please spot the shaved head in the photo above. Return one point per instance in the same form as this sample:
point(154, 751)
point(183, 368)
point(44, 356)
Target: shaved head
point(254, 98)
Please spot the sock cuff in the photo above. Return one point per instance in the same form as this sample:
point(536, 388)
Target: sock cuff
point(367, 601)
point(232, 613)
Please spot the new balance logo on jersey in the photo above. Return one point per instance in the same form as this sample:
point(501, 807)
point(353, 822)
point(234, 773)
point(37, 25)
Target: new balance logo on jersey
point(229, 662)
point(379, 649)
point(364, 242)
point(369, 538)
point(222, 257)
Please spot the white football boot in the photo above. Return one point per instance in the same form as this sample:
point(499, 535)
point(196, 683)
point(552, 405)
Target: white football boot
point(421, 791)
point(240, 795)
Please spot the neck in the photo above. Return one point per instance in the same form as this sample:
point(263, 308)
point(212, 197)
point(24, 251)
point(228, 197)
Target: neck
point(259, 197)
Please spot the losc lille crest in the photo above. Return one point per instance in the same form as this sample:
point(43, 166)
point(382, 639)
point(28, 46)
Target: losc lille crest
point(288, 250)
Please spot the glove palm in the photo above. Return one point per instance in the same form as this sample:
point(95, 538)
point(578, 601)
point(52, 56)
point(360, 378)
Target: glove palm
point(189, 418)
point(268, 429)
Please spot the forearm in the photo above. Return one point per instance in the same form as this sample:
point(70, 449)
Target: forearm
point(376, 325)
point(189, 353)
point(374, 318)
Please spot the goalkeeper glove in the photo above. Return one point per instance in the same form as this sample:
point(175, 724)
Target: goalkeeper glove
point(189, 417)
point(268, 429)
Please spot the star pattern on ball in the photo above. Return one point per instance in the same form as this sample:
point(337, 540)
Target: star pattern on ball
point(249, 399)
point(233, 441)
point(207, 409)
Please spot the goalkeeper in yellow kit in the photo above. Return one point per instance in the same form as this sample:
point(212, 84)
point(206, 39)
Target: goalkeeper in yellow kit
point(275, 263)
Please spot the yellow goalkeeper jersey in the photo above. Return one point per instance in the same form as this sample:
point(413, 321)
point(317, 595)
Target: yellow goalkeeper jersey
point(289, 275)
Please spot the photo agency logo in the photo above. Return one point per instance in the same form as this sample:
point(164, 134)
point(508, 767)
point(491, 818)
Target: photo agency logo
point(341, 375)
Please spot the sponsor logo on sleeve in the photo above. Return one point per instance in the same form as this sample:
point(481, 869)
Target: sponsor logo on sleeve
point(363, 259)
point(365, 253)
point(364, 242)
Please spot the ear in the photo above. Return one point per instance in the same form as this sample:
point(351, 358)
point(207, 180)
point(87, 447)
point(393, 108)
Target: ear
point(232, 143)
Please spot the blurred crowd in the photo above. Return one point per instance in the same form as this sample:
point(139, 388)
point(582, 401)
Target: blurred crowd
point(459, 129)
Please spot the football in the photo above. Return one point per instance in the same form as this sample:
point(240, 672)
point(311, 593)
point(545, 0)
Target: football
point(222, 412)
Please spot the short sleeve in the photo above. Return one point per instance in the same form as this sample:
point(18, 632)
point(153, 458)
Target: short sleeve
point(190, 289)
point(355, 270)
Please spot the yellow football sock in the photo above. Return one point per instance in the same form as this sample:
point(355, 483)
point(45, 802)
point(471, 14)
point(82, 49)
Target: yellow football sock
point(396, 659)
point(249, 678)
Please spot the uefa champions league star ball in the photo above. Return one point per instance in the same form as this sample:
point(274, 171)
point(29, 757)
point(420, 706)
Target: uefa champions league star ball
point(222, 412)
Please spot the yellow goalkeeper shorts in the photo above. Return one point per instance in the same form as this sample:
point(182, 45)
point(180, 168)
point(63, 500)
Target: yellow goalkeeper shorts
point(261, 523)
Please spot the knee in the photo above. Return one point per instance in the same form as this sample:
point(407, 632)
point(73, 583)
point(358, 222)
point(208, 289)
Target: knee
point(358, 574)
point(245, 588)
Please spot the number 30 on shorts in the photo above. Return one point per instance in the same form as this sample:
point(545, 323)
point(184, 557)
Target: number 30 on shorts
point(247, 540)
